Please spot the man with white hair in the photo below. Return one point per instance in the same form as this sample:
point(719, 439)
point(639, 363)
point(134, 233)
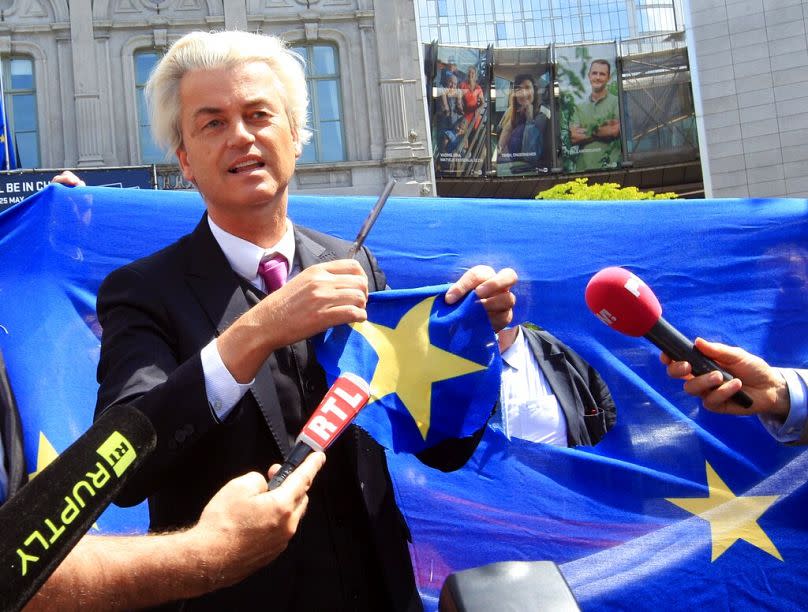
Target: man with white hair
point(216, 352)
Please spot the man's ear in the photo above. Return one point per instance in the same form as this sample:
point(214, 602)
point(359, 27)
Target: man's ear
point(298, 144)
point(182, 158)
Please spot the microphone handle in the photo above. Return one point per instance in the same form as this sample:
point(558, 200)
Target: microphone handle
point(679, 348)
point(299, 453)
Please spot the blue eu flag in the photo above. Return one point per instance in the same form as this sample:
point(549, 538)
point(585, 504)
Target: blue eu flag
point(433, 369)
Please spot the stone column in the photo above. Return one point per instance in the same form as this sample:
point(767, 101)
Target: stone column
point(235, 15)
point(85, 79)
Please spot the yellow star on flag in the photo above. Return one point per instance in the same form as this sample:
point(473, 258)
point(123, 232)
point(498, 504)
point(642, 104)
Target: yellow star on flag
point(409, 363)
point(45, 454)
point(731, 518)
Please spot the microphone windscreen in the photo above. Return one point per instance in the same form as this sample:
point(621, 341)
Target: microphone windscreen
point(48, 516)
point(623, 301)
point(346, 397)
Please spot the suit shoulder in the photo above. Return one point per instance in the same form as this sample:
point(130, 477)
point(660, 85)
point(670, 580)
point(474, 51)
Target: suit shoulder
point(160, 262)
point(331, 242)
point(540, 334)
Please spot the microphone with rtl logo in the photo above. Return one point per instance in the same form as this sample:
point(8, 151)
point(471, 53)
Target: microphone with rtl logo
point(346, 397)
point(625, 303)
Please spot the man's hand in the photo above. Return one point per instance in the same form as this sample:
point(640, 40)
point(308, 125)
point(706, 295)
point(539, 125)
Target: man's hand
point(609, 130)
point(578, 134)
point(760, 381)
point(67, 178)
point(493, 289)
point(320, 297)
point(244, 526)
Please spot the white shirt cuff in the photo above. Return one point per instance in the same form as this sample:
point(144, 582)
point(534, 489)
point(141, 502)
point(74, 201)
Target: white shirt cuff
point(222, 389)
point(791, 430)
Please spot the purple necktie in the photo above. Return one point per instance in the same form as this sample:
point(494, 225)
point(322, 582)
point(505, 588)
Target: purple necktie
point(273, 271)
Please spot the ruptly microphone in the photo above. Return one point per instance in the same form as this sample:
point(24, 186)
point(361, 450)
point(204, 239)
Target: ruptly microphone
point(625, 303)
point(346, 397)
point(44, 520)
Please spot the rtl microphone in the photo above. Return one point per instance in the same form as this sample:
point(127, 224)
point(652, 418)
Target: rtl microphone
point(346, 397)
point(47, 517)
point(625, 303)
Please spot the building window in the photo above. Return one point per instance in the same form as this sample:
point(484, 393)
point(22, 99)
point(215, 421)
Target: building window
point(144, 63)
point(323, 81)
point(20, 103)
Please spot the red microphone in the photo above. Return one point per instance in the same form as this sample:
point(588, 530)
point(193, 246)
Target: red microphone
point(346, 397)
point(625, 303)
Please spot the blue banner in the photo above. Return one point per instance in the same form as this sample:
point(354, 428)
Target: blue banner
point(675, 505)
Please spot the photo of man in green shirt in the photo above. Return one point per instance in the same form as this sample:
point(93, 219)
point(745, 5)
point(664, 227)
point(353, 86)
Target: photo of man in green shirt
point(595, 123)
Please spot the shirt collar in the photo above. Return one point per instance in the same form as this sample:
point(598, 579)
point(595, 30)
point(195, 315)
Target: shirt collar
point(244, 256)
point(514, 354)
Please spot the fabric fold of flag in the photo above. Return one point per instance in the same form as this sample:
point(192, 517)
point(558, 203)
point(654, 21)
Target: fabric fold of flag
point(433, 369)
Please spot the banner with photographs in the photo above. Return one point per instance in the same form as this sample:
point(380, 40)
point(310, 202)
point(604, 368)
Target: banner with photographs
point(459, 113)
point(522, 117)
point(590, 113)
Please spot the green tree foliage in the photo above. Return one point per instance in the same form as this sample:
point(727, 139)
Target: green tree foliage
point(580, 189)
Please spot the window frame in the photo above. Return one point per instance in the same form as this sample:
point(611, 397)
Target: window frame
point(140, 103)
point(9, 93)
point(314, 104)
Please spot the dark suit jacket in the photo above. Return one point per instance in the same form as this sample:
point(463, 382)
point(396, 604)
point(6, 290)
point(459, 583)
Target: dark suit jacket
point(157, 313)
point(581, 392)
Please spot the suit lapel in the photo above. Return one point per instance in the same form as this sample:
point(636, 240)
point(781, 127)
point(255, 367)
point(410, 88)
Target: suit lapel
point(219, 291)
point(554, 366)
point(308, 252)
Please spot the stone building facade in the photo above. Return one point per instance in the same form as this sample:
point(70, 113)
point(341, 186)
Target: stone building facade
point(88, 95)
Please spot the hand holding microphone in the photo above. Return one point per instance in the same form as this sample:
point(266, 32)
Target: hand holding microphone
point(48, 516)
point(346, 397)
point(625, 303)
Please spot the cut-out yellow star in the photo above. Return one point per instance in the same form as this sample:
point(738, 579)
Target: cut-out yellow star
point(45, 454)
point(731, 518)
point(409, 363)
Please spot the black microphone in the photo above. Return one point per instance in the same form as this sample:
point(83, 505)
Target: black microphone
point(346, 397)
point(48, 516)
point(625, 303)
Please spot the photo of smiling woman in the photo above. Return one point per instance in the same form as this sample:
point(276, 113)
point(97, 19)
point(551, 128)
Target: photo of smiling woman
point(524, 144)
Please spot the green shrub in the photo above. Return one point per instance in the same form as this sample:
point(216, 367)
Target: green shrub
point(580, 189)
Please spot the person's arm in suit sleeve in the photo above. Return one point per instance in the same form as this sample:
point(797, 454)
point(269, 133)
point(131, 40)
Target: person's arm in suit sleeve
point(778, 394)
point(139, 365)
point(153, 332)
point(603, 397)
point(596, 386)
point(794, 429)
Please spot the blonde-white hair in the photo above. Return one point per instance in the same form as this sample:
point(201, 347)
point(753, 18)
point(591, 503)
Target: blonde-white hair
point(213, 51)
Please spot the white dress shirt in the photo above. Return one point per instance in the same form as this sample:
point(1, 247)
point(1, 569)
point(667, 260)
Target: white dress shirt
point(791, 430)
point(224, 391)
point(528, 407)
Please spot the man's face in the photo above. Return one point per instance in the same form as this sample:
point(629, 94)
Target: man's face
point(238, 145)
point(598, 77)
